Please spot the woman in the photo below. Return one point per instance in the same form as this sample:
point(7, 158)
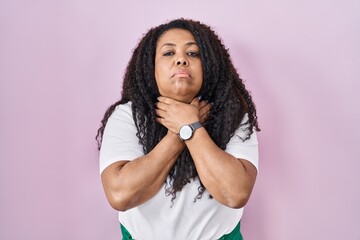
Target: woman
point(178, 152)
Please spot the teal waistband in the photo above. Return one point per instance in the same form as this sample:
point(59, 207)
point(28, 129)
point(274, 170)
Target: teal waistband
point(125, 233)
point(234, 235)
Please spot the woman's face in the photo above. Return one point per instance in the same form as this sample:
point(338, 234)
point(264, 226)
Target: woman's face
point(178, 67)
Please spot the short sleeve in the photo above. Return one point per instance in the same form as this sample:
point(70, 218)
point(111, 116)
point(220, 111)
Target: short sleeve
point(247, 149)
point(119, 140)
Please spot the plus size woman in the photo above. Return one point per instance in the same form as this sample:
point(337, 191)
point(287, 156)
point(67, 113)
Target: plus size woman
point(178, 151)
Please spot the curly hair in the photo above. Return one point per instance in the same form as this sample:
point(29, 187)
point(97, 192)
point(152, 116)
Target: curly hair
point(222, 86)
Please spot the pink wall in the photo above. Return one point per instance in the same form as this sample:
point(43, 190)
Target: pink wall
point(61, 65)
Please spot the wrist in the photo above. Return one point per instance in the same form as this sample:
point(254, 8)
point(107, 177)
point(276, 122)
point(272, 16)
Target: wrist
point(174, 137)
point(187, 131)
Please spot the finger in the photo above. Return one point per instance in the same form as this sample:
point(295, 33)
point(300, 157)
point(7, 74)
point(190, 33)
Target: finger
point(202, 104)
point(159, 120)
point(203, 115)
point(195, 102)
point(161, 106)
point(204, 112)
point(205, 108)
point(160, 113)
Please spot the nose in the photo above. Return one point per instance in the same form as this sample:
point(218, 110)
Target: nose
point(181, 62)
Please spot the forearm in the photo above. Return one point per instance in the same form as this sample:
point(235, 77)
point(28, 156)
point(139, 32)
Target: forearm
point(132, 184)
point(228, 179)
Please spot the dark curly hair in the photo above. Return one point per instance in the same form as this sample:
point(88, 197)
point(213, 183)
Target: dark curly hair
point(222, 87)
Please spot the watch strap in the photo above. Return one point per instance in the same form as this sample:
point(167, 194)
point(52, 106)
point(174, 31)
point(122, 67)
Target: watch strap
point(195, 126)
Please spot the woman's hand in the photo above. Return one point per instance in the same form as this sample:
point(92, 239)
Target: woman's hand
point(204, 110)
point(174, 114)
point(228, 179)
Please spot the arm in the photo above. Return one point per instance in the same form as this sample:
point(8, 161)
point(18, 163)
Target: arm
point(128, 184)
point(228, 179)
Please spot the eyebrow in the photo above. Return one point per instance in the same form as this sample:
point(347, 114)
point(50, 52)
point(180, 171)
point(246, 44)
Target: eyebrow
point(173, 44)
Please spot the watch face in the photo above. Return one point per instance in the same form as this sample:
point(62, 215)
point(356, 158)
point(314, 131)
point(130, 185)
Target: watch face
point(185, 132)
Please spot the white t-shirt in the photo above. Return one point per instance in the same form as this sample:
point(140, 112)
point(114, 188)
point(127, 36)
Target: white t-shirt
point(159, 218)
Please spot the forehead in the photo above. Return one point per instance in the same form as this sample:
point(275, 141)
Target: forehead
point(176, 35)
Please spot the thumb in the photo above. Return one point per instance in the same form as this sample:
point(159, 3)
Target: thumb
point(195, 102)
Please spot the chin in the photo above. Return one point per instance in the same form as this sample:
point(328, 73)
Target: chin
point(185, 99)
point(181, 97)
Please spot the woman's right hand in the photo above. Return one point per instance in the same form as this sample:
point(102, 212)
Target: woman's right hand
point(173, 114)
point(204, 110)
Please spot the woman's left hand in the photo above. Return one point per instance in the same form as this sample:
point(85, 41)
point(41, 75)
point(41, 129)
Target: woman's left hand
point(174, 114)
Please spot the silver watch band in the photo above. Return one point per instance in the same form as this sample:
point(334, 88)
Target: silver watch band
point(195, 126)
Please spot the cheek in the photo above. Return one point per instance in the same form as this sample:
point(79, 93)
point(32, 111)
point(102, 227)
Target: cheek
point(200, 74)
point(156, 76)
point(160, 71)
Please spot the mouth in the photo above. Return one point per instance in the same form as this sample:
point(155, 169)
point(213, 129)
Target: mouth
point(182, 73)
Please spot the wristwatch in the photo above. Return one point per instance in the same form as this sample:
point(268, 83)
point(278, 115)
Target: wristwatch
point(186, 131)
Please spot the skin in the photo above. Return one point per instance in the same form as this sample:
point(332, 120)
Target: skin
point(228, 179)
point(178, 68)
point(179, 76)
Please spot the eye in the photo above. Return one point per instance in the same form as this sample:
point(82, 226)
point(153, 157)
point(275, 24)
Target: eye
point(193, 54)
point(168, 53)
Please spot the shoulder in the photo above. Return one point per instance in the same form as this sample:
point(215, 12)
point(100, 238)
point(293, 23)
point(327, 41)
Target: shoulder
point(122, 110)
point(245, 149)
point(243, 129)
point(121, 116)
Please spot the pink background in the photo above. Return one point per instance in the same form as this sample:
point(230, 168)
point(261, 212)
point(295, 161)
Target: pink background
point(61, 65)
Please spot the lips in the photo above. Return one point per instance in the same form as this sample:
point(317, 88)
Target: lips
point(182, 73)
